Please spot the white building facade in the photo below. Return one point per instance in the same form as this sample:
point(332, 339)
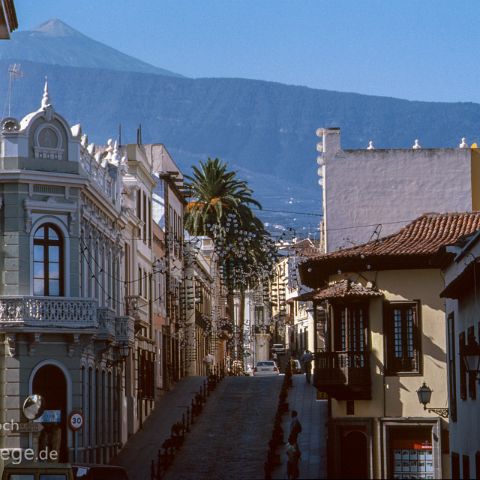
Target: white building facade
point(75, 295)
point(373, 192)
point(463, 332)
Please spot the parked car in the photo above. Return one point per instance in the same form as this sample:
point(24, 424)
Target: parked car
point(278, 348)
point(296, 366)
point(99, 472)
point(265, 368)
point(30, 470)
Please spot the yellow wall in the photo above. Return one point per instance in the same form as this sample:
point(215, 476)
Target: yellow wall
point(396, 396)
point(475, 178)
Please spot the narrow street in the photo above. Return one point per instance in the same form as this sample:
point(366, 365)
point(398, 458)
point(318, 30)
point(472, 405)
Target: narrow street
point(230, 439)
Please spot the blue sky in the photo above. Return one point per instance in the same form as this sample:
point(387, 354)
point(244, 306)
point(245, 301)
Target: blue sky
point(414, 49)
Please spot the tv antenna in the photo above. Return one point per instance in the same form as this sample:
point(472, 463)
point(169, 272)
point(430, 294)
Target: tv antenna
point(14, 73)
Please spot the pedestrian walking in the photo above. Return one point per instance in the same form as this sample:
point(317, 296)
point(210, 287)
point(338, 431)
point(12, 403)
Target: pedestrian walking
point(306, 359)
point(293, 458)
point(295, 427)
point(208, 361)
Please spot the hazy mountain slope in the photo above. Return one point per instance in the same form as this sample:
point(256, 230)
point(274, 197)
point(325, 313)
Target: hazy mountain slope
point(265, 129)
point(55, 42)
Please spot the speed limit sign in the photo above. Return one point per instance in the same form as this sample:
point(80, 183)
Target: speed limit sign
point(75, 421)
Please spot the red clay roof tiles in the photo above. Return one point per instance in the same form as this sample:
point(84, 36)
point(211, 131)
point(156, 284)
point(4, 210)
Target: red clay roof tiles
point(341, 289)
point(424, 236)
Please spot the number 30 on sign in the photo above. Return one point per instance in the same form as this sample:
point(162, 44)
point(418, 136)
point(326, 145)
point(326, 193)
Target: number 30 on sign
point(75, 421)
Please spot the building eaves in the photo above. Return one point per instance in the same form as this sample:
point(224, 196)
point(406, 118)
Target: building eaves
point(417, 245)
point(339, 290)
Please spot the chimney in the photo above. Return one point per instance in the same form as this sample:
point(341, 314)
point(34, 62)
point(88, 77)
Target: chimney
point(330, 144)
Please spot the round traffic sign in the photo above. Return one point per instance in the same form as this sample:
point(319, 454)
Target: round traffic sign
point(75, 421)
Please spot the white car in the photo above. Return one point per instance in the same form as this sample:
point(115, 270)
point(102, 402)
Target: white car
point(265, 368)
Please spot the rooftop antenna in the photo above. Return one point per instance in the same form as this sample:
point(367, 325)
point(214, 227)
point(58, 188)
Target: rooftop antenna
point(119, 135)
point(139, 135)
point(14, 72)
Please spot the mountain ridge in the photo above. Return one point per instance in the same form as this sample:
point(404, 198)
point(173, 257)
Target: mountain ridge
point(265, 130)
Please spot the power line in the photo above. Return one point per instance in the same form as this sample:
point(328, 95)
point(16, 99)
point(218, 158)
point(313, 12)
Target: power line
point(361, 226)
point(314, 214)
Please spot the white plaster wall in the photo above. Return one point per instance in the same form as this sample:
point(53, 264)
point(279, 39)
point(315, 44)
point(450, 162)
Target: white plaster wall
point(369, 187)
point(465, 432)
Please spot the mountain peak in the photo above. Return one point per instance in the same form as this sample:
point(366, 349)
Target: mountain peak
point(56, 43)
point(56, 28)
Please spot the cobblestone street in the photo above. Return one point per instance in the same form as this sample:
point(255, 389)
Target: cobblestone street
point(142, 447)
point(230, 438)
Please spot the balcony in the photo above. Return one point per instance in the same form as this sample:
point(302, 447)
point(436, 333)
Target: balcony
point(137, 308)
point(125, 330)
point(64, 312)
point(106, 324)
point(343, 375)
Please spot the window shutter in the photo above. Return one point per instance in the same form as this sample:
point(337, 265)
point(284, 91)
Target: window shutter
point(388, 335)
point(472, 376)
point(463, 373)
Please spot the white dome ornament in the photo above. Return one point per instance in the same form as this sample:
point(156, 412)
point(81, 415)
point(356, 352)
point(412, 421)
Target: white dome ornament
point(46, 97)
point(370, 145)
point(46, 105)
point(416, 145)
point(464, 144)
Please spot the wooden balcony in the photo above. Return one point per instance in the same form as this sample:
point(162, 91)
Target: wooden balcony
point(343, 375)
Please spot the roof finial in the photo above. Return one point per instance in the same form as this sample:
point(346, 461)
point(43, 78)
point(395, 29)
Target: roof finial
point(46, 97)
point(115, 154)
point(464, 143)
point(416, 145)
point(370, 145)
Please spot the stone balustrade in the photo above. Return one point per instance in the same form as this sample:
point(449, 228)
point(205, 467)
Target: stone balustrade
point(137, 308)
point(125, 330)
point(106, 323)
point(48, 311)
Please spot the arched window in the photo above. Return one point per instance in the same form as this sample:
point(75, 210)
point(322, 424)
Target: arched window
point(48, 261)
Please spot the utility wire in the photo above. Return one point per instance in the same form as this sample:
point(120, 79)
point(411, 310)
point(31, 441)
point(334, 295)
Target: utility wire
point(109, 297)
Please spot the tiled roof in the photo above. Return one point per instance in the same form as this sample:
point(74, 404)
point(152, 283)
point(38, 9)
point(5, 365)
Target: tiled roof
point(417, 245)
point(424, 236)
point(341, 289)
point(306, 248)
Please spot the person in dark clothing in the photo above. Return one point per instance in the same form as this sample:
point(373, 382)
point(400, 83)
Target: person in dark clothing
point(295, 427)
point(293, 458)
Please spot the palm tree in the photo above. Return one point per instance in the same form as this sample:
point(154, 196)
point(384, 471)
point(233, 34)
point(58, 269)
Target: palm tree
point(220, 207)
point(214, 193)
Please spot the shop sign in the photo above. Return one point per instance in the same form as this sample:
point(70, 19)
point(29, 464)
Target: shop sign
point(50, 416)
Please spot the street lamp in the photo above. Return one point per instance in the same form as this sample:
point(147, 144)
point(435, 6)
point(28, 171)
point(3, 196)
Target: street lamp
point(424, 395)
point(471, 357)
point(124, 350)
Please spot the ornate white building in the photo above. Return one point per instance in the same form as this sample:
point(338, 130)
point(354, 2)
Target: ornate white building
point(76, 283)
